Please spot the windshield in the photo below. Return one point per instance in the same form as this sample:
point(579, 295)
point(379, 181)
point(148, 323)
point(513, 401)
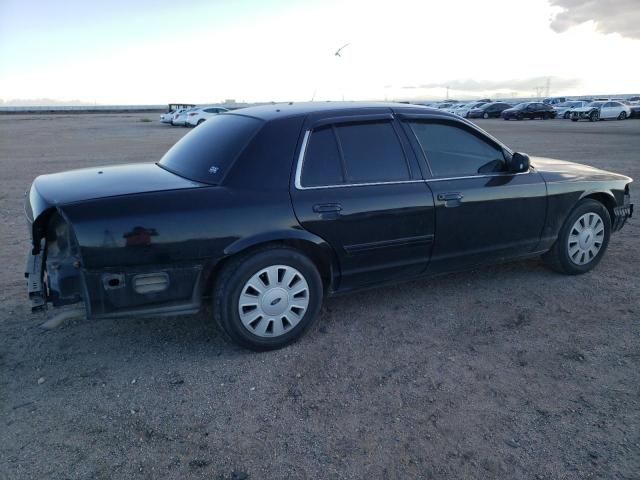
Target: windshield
point(206, 153)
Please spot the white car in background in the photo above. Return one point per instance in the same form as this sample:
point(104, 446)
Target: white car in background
point(563, 110)
point(464, 110)
point(166, 117)
point(180, 118)
point(601, 110)
point(199, 115)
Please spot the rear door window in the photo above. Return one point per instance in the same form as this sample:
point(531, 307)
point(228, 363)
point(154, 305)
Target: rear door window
point(354, 153)
point(372, 153)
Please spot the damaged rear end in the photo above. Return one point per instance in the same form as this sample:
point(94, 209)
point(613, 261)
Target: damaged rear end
point(53, 269)
point(119, 241)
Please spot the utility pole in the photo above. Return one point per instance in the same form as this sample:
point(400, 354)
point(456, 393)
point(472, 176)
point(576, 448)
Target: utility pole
point(548, 87)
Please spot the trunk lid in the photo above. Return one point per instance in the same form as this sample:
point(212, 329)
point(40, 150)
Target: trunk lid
point(73, 186)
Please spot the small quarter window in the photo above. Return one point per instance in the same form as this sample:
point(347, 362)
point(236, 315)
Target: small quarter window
point(321, 165)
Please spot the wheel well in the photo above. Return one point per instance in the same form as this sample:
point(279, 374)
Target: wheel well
point(607, 200)
point(316, 254)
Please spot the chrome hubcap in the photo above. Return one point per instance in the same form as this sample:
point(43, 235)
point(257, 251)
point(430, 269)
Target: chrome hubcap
point(586, 238)
point(273, 301)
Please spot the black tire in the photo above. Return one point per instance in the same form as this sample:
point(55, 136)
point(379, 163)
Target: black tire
point(558, 257)
point(594, 117)
point(622, 116)
point(232, 280)
point(486, 115)
point(566, 115)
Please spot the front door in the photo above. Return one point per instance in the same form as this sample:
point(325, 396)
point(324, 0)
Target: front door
point(483, 213)
point(359, 187)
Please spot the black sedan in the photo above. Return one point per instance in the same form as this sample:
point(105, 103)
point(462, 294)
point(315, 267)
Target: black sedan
point(264, 211)
point(489, 110)
point(529, 110)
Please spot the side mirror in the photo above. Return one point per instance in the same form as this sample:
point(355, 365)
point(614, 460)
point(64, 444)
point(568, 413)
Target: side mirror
point(519, 163)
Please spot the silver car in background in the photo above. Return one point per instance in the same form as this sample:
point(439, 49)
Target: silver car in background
point(563, 110)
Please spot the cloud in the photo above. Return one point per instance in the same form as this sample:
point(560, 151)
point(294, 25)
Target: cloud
point(610, 16)
point(518, 84)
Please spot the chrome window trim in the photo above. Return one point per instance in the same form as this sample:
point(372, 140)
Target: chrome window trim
point(303, 151)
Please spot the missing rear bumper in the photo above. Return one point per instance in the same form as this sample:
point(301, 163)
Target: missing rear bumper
point(35, 285)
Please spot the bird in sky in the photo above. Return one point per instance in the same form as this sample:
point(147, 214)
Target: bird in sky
point(337, 54)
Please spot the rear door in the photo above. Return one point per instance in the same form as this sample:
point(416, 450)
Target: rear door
point(608, 110)
point(358, 185)
point(483, 213)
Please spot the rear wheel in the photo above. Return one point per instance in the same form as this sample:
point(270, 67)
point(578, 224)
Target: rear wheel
point(486, 115)
point(267, 300)
point(582, 240)
point(622, 115)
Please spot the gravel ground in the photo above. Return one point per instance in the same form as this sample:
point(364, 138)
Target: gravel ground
point(510, 371)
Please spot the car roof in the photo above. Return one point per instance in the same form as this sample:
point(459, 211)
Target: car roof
point(294, 109)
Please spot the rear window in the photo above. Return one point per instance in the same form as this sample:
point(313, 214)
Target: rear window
point(206, 153)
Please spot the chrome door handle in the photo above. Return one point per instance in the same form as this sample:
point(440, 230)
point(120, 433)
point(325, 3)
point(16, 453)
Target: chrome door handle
point(327, 208)
point(446, 197)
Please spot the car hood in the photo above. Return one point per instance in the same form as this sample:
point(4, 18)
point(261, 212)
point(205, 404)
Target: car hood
point(74, 186)
point(561, 169)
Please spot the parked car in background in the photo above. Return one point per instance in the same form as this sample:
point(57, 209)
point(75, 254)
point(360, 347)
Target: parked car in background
point(452, 108)
point(601, 110)
point(263, 212)
point(464, 110)
point(180, 118)
point(634, 106)
point(554, 100)
point(530, 110)
point(563, 110)
point(488, 110)
point(200, 115)
point(166, 117)
point(172, 109)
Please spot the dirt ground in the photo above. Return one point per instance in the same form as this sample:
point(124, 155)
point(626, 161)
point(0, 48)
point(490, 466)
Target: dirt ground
point(511, 371)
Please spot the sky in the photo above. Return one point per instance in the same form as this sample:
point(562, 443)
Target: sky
point(205, 51)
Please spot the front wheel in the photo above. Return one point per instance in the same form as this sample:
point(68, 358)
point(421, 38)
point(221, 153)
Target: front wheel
point(566, 115)
point(267, 300)
point(582, 240)
point(485, 116)
point(594, 117)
